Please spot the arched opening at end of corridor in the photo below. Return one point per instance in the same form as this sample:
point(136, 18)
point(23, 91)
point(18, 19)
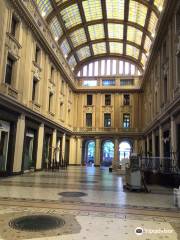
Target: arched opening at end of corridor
point(89, 153)
point(107, 153)
point(124, 151)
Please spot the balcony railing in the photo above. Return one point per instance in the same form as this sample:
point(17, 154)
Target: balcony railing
point(105, 130)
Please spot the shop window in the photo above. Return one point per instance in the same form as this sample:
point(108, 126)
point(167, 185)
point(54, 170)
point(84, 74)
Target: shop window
point(88, 119)
point(34, 89)
point(107, 99)
point(89, 100)
point(107, 120)
point(126, 99)
point(14, 23)
point(126, 120)
point(9, 70)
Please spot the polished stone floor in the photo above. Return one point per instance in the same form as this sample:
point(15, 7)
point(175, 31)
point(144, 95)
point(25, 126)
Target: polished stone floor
point(104, 210)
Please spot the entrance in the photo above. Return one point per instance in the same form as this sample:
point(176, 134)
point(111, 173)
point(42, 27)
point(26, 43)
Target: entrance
point(107, 153)
point(4, 142)
point(89, 154)
point(124, 150)
point(47, 151)
point(28, 161)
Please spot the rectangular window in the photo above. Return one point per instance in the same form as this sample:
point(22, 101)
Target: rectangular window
point(108, 82)
point(89, 99)
point(102, 67)
point(126, 100)
point(88, 119)
point(13, 26)
point(90, 73)
point(126, 120)
point(37, 55)
point(178, 21)
point(108, 67)
point(107, 99)
point(50, 102)
point(126, 82)
point(165, 89)
point(62, 87)
point(96, 68)
point(89, 83)
point(34, 89)
point(52, 74)
point(107, 120)
point(9, 71)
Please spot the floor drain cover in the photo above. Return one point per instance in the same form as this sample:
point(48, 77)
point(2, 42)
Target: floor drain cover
point(36, 223)
point(72, 194)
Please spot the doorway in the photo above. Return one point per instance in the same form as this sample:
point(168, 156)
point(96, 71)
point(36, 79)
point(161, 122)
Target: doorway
point(4, 143)
point(89, 153)
point(124, 150)
point(107, 153)
point(47, 151)
point(28, 160)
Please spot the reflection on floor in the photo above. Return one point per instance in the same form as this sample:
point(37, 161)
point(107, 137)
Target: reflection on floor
point(92, 203)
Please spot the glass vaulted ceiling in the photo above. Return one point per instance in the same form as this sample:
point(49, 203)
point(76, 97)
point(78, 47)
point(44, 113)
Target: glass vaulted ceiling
point(91, 29)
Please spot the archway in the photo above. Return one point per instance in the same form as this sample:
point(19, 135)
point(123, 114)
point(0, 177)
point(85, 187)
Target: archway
point(124, 150)
point(89, 154)
point(107, 153)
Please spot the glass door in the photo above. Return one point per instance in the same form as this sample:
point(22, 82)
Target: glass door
point(4, 140)
point(28, 152)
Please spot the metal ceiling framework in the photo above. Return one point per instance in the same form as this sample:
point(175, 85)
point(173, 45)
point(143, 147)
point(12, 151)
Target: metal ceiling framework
point(88, 30)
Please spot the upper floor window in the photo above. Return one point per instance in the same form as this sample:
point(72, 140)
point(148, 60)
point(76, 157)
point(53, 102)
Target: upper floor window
point(34, 89)
point(107, 99)
point(178, 21)
point(37, 54)
point(107, 120)
point(126, 120)
point(9, 70)
point(126, 100)
point(52, 74)
point(89, 99)
point(88, 119)
point(108, 82)
point(126, 82)
point(50, 102)
point(90, 83)
point(14, 23)
point(108, 67)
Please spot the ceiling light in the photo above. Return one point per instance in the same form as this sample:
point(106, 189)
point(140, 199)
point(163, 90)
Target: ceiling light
point(65, 55)
point(147, 54)
point(153, 35)
point(56, 39)
point(72, 69)
point(43, 14)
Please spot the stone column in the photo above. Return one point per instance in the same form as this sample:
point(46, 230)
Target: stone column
point(173, 141)
point(19, 144)
point(79, 151)
point(54, 142)
point(97, 152)
point(63, 145)
point(72, 153)
point(135, 149)
point(40, 146)
point(153, 144)
point(161, 147)
point(115, 163)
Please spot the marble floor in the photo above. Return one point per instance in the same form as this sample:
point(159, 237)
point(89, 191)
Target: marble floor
point(105, 210)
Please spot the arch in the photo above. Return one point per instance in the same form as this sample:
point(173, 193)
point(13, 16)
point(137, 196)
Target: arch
point(125, 149)
point(88, 152)
point(107, 155)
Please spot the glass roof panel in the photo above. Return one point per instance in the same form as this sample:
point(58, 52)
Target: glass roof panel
point(65, 48)
point(56, 28)
point(99, 48)
point(115, 30)
point(71, 16)
point(134, 35)
point(147, 44)
point(78, 37)
point(44, 6)
point(143, 59)
point(152, 23)
point(159, 4)
point(115, 9)
point(137, 12)
point(72, 61)
point(83, 53)
point(92, 9)
point(116, 47)
point(132, 51)
point(96, 31)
